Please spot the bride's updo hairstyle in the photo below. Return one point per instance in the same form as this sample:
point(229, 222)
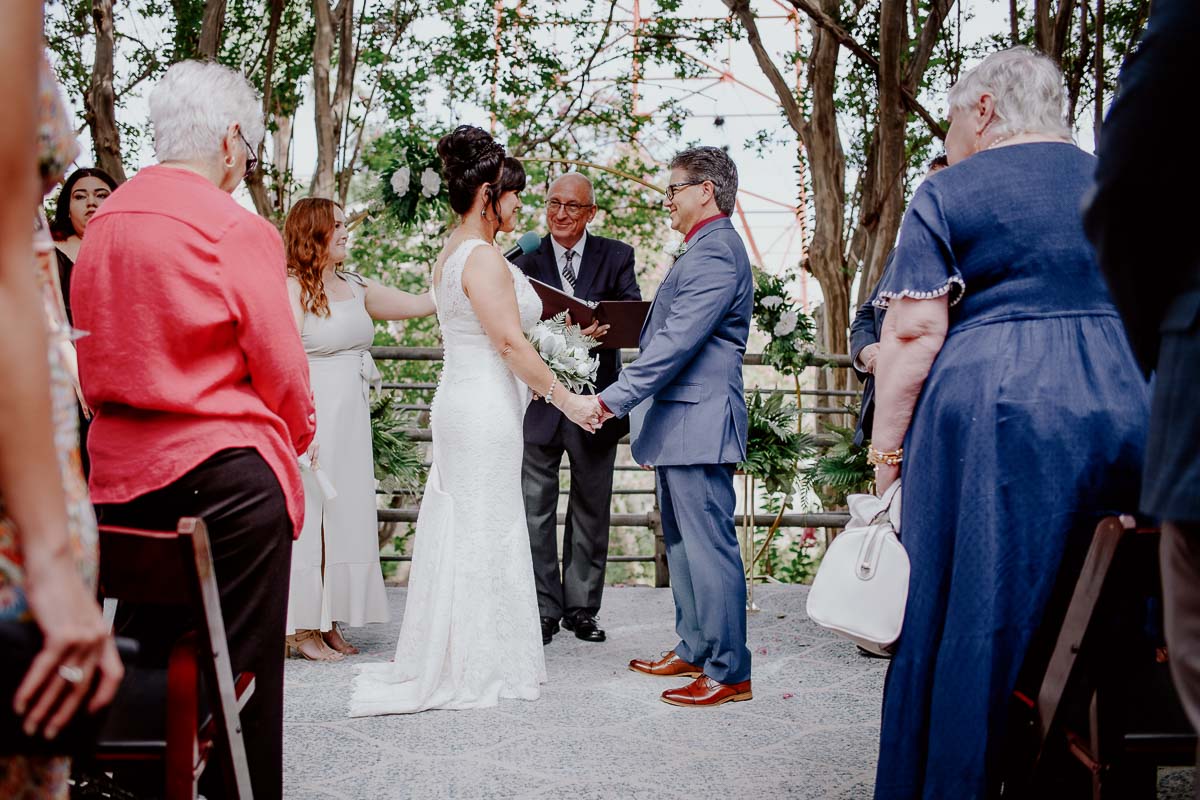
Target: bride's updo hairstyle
point(470, 158)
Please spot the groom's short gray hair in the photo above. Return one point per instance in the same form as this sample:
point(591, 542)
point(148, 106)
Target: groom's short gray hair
point(711, 164)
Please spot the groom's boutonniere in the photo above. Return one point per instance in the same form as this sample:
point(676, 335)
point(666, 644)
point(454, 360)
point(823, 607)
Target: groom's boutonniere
point(683, 246)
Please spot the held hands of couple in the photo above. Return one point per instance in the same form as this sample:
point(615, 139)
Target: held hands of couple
point(585, 411)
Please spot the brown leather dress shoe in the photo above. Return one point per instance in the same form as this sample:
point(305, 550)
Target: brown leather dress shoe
point(704, 691)
point(669, 666)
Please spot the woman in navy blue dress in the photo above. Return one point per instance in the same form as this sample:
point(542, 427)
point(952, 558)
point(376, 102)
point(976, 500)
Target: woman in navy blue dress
point(1006, 376)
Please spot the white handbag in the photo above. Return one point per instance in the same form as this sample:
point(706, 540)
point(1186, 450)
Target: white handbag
point(861, 587)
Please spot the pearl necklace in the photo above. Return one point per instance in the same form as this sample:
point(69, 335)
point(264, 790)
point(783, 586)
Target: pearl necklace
point(1001, 140)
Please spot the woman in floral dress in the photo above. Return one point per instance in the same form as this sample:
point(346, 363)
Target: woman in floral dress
point(48, 561)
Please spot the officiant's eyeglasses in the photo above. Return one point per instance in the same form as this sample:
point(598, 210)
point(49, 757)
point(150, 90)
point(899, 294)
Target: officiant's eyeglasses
point(574, 210)
point(673, 189)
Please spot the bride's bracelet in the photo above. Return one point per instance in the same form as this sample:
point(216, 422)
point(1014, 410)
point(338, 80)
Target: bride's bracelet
point(550, 393)
point(884, 458)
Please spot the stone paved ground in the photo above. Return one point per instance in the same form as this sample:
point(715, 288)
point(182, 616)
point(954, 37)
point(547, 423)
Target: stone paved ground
point(599, 730)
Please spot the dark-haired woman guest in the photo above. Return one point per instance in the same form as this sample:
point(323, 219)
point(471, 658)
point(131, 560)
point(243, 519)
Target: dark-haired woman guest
point(82, 193)
point(335, 564)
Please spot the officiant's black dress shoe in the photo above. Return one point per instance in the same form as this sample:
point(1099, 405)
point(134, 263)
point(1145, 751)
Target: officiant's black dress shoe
point(549, 628)
point(585, 627)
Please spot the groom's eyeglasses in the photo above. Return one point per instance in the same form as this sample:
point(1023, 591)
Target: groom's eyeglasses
point(574, 210)
point(674, 188)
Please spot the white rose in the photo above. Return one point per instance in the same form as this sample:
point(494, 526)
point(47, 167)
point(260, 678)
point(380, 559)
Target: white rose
point(400, 180)
point(807, 348)
point(771, 301)
point(552, 344)
point(580, 354)
point(584, 370)
point(786, 324)
point(431, 182)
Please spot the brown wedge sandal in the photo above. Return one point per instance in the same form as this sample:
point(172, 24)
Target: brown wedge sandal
point(309, 645)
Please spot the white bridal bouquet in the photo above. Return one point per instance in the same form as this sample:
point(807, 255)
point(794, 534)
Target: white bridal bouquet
point(565, 350)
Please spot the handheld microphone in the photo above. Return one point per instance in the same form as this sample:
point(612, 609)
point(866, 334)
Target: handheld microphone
point(526, 244)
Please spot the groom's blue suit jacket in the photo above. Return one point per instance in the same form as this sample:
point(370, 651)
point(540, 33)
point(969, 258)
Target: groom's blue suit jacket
point(692, 347)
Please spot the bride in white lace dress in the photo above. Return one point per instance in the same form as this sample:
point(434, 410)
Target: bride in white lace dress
point(470, 633)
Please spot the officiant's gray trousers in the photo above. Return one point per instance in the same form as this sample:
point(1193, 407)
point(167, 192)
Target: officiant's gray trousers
point(707, 579)
point(585, 534)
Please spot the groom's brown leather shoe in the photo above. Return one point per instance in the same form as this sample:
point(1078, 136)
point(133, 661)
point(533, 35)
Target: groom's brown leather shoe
point(704, 691)
point(669, 666)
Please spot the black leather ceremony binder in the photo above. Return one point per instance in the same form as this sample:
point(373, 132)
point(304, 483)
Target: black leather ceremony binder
point(624, 317)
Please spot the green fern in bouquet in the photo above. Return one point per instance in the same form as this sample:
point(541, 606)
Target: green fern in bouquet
point(399, 464)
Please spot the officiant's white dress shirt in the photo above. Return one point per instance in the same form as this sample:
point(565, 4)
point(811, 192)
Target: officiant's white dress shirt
point(560, 258)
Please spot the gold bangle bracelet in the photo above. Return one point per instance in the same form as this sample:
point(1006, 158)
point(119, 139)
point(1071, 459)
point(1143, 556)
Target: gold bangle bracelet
point(887, 458)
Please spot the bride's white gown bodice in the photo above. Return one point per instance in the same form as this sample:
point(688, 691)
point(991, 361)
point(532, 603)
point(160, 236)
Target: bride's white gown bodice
point(470, 633)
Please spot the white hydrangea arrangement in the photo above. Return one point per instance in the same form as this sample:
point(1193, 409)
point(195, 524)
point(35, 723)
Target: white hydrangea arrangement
point(566, 351)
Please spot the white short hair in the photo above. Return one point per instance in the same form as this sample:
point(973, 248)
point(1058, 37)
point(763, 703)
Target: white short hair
point(1027, 88)
point(193, 105)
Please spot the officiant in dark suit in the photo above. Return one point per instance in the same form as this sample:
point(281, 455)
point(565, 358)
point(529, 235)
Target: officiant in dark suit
point(589, 267)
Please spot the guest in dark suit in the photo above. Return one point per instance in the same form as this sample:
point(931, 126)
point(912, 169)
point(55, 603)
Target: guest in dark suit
point(864, 339)
point(589, 267)
point(1146, 242)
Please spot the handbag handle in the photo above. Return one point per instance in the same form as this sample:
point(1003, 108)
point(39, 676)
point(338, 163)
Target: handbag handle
point(887, 500)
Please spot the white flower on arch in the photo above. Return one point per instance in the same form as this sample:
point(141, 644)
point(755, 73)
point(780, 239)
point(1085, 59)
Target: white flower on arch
point(431, 182)
point(787, 323)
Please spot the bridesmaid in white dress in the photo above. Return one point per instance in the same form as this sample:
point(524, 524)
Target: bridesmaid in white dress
point(470, 633)
point(335, 564)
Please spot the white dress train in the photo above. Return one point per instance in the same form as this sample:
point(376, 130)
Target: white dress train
point(470, 633)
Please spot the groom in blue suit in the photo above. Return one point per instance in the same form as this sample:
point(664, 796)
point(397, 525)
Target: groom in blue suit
point(694, 431)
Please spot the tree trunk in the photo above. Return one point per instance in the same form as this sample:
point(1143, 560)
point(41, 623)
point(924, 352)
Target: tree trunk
point(256, 184)
point(281, 148)
point(883, 207)
point(327, 138)
point(1098, 77)
point(882, 187)
point(331, 111)
point(1076, 67)
point(100, 101)
point(211, 28)
point(1014, 18)
point(827, 164)
point(1051, 30)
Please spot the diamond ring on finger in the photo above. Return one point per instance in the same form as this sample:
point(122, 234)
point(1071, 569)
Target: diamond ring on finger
point(70, 674)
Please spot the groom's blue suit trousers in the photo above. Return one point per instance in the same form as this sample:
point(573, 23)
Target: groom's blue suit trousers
point(697, 505)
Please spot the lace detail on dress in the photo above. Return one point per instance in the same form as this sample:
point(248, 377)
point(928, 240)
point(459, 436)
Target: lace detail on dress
point(954, 286)
point(470, 633)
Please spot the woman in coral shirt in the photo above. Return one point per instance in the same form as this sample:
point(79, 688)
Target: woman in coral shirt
point(194, 369)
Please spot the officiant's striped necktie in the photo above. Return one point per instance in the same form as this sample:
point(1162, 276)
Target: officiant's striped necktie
point(568, 271)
